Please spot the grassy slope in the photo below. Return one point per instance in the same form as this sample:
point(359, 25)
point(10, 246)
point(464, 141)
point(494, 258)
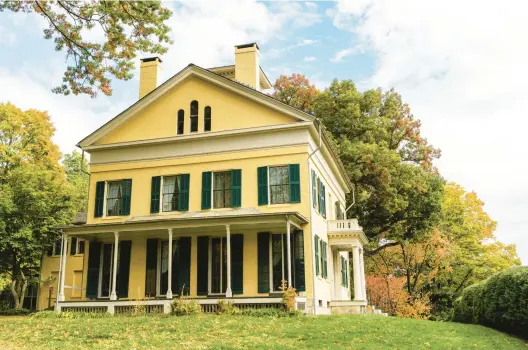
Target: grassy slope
point(330, 332)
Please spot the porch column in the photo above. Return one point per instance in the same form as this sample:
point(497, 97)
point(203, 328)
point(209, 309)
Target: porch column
point(362, 271)
point(358, 294)
point(289, 250)
point(63, 266)
point(229, 293)
point(169, 277)
point(113, 295)
point(335, 264)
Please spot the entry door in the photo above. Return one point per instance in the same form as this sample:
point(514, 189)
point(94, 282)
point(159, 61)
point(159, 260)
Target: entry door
point(105, 274)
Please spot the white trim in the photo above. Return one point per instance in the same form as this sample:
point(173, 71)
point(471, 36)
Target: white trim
point(113, 293)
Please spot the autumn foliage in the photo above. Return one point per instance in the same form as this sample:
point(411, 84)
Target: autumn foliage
point(295, 91)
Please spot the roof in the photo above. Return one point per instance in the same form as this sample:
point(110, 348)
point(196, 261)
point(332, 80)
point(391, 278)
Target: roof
point(229, 72)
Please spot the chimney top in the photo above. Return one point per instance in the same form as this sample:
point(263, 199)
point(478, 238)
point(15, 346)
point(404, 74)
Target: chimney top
point(151, 59)
point(244, 46)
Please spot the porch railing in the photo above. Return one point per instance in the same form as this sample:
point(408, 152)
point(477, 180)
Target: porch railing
point(343, 225)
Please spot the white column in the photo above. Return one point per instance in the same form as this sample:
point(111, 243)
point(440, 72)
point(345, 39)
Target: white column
point(169, 288)
point(362, 270)
point(335, 263)
point(113, 295)
point(229, 293)
point(63, 266)
point(358, 294)
point(289, 250)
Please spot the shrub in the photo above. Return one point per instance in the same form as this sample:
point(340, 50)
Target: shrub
point(183, 307)
point(66, 314)
point(288, 299)
point(14, 312)
point(499, 302)
point(269, 312)
point(227, 308)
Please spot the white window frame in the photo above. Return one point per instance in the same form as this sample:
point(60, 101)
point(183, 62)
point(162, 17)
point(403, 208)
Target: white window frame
point(99, 287)
point(269, 182)
point(213, 189)
point(284, 266)
point(106, 198)
point(53, 252)
point(77, 246)
point(210, 265)
point(161, 194)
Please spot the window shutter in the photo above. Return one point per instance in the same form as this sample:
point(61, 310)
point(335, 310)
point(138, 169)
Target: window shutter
point(126, 196)
point(123, 273)
point(237, 263)
point(94, 259)
point(203, 266)
point(263, 262)
point(236, 188)
point(152, 266)
point(184, 266)
point(316, 247)
point(155, 190)
point(298, 256)
point(183, 200)
point(322, 258)
point(206, 190)
point(325, 261)
point(295, 183)
point(262, 174)
point(73, 244)
point(314, 190)
point(323, 200)
point(99, 199)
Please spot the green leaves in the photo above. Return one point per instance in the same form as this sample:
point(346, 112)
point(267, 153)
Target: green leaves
point(101, 38)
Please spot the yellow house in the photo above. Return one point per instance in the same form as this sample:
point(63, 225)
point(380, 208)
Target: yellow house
point(209, 188)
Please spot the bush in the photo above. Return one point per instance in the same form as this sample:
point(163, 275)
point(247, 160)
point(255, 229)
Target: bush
point(269, 312)
point(500, 302)
point(53, 314)
point(14, 312)
point(183, 307)
point(227, 308)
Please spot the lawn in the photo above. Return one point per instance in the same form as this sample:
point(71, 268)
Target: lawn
point(225, 332)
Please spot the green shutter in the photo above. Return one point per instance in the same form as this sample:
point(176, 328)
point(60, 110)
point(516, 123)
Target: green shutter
point(123, 273)
point(184, 266)
point(323, 200)
point(94, 260)
point(324, 259)
point(314, 190)
point(295, 183)
point(237, 263)
point(203, 266)
point(155, 189)
point(262, 181)
point(99, 199)
point(126, 194)
point(206, 190)
point(316, 248)
point(263, 262)
point(236, 188)
point(152, 267)
point(183, 197)
point(73, 246)
point(298, 257)
point(319, 197)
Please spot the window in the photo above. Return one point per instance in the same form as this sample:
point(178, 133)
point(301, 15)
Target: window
point(57, 247)
point(181, 119)
point(344, 272)
point(222, 189)
point(163, 274)
point(194, 116)
point(322, 197)
point(118, 197)
point(207, 119)
point(218, 265)
point(279, 184)
point(76, 246)
point(171, 193)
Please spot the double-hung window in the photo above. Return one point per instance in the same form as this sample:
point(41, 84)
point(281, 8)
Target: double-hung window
point(171, 193)
point(77, 246)
point(222, 189)
point(56, 249)
point(194, 116)
point(279, 177)
point(117, 200)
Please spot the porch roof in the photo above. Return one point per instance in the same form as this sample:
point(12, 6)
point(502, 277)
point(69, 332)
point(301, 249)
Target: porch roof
point(191, 222)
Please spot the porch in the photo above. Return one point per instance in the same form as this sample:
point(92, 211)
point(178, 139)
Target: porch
point(242, 256)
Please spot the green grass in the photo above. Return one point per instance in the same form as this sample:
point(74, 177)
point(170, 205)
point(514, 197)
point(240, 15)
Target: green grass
point(226, 332)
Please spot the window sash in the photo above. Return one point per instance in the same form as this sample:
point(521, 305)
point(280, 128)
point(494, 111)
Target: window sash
point(57, 247)
point(222, 189)
point(114, 196)
point(170, 195)
point(279, 184)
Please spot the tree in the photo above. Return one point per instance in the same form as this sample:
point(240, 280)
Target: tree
point(34, 194)
point(77, 174)
point(398, 191)
point(296, 91)
point(128, 27)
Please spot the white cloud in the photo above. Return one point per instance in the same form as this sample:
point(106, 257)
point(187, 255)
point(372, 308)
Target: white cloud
point(309, 59)
point(310, 4)
point(463, 72)
point(7, 37)
point(338, 57)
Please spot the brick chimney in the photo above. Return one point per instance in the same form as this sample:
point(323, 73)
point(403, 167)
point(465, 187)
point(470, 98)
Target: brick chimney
point(247, 65)
point(149, 75)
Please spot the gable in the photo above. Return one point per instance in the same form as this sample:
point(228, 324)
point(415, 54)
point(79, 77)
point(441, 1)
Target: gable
point(229, 111)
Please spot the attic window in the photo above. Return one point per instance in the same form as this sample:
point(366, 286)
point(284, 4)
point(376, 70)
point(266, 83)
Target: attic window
point(207, 119)
point(181, 118)
point(194, 116)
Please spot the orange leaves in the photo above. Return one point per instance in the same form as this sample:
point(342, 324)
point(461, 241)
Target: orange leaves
point(296, 91)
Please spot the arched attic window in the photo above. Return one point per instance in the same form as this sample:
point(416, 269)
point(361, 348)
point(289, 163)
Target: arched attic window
point(181, 121)
point(194, 116)
point(207, 118)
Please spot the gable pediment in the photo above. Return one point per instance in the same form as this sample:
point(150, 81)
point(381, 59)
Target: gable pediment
point(233, 106)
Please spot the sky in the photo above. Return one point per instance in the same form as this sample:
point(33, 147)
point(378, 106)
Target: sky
point(460, 65)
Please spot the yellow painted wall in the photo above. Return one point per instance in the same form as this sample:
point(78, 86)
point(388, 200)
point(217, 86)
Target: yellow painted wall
point(229, 111)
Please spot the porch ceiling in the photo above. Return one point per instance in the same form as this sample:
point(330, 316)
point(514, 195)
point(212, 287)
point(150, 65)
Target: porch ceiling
point(186, 224)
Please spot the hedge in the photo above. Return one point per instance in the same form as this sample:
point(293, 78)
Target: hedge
point(14, 312)
point(500, 302)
